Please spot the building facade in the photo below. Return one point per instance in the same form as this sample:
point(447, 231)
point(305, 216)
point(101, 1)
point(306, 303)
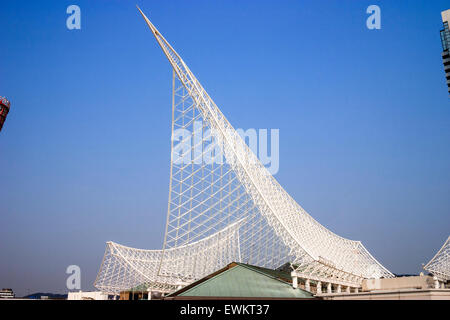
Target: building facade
point(7, 294)
point(4, 110)
point(87, 295)
point(445, 39)
point(422, 287)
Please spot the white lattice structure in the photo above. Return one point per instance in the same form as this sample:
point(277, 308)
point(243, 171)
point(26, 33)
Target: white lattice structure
point(439, 266)
point(125, 268)
point(217, 181)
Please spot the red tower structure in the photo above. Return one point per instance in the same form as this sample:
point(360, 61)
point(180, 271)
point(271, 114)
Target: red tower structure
point(4, 109)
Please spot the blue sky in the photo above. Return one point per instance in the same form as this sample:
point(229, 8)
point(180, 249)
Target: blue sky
point(364, 119)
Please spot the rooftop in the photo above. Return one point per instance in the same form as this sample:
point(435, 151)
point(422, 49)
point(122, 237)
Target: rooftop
point(244, 281)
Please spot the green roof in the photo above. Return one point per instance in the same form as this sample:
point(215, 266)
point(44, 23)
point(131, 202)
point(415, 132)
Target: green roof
point(242, 280)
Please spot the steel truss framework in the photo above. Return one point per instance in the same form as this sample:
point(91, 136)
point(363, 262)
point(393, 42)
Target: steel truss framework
point(439, 266)
point(217, 181)
point(125, 268)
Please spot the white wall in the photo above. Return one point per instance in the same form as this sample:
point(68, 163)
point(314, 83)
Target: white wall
point(93, 295)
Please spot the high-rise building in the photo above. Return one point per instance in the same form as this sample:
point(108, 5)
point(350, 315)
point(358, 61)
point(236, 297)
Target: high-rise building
point(4, 109)
point(445, 39)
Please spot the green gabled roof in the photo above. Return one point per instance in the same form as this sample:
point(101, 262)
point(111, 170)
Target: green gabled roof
point(241, 280)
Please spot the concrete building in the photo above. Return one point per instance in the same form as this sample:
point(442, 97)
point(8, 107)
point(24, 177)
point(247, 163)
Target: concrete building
point(445, 39)
point(86, 295)
point(400, 288)
point(404, 294)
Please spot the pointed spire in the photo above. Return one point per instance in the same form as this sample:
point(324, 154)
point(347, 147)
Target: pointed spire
point(180, 68)
point(151, 26)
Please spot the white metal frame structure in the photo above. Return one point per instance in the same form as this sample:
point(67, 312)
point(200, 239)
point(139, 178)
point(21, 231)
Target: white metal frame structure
point(218, 182)
point(125, 268)
point(439, 266)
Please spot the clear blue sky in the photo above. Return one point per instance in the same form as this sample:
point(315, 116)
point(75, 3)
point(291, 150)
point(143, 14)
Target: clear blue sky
point(364, 119)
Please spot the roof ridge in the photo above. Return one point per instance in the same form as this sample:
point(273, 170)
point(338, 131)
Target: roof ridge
point(258, 269)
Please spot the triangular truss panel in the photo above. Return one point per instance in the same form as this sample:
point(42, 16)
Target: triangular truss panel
point(206, 195)
point(439, 266)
